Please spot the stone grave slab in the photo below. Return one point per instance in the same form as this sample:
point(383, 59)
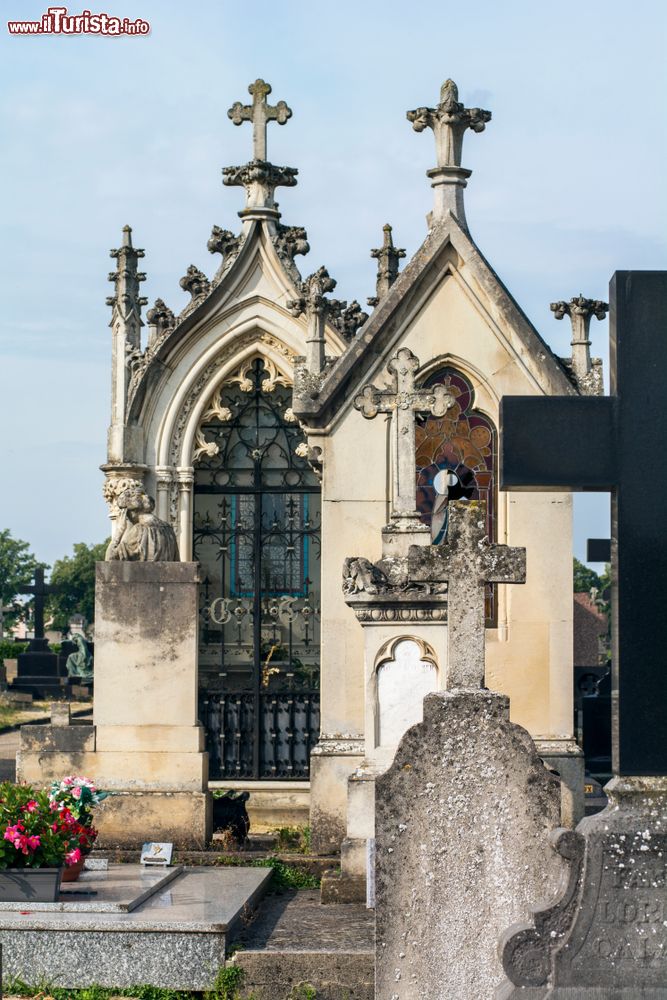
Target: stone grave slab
point(173, 932)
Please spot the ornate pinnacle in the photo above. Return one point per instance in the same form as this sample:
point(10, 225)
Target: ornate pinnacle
point(260, 114)
point(317, 309)
point(580, 310)
point(126, 302)
point(449, 121)
point(387, 257)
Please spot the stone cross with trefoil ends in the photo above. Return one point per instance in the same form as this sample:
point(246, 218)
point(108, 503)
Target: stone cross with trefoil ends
point(260, 113)
point(403, 400)
point(467, 561)
point(259, 177)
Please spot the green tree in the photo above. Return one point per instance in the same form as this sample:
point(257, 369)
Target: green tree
point(584, 578)
point(17, 568)
point(75, 578)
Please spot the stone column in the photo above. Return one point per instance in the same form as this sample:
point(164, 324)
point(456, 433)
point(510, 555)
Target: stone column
point(186, 479)
point(163, 479)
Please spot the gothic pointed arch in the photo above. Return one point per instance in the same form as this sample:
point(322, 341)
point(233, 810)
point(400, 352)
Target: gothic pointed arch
point(256, 536)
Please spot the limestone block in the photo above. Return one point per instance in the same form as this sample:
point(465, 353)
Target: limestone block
point(330, 766)
point(129, 819)
point(146, 618)
point(58, 738)
point(463, 817)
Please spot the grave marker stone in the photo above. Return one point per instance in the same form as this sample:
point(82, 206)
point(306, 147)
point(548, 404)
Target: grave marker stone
point(463, 814)
point(607, 934)
point(37, 669)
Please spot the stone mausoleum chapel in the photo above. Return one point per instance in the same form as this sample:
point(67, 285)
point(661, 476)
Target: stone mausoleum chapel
point(299, 445)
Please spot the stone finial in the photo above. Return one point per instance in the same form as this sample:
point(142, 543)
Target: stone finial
point(224, 242)
point(126, 304)
point(195, 282)
point(350, 320)
point(387, 257)
point(580, 310)
point(260, 181)
point(259, 178)
point(161, 321)
point(291, 241)
point(317, 309)
point(260, 113)
point(449, 121)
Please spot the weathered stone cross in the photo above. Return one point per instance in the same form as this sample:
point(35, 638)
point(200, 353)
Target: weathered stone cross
point(260, 114)
point(403, 400)
point(467, 561)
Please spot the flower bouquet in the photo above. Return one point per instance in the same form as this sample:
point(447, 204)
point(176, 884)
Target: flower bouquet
point(74, 799)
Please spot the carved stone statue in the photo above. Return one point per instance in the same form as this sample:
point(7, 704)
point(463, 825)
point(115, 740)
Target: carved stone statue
point(142, 535)
point(79, 663)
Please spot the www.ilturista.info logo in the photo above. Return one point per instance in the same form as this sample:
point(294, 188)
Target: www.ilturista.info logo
point(56, 21)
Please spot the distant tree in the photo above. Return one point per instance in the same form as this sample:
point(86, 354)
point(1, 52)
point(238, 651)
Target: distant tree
point(584, 578)
point(17, 568)
point(75, 577)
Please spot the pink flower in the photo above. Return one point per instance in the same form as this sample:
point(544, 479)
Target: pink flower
point(76, 792)
point(73, 857)
point(31, 806)
point(33, 842)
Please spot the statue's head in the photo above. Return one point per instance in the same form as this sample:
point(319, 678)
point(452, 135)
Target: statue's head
point(132, 498)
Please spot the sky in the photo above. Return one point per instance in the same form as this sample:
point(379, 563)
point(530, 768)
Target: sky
point(567, 185)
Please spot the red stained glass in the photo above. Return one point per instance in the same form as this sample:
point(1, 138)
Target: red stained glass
point(463, 442)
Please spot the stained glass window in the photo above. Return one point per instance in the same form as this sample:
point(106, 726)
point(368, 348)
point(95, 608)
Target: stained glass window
point(460, 450)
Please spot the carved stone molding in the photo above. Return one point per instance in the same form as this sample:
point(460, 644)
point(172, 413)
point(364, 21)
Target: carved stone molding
point(339, 745)
point(387, 651)
point(389, 615)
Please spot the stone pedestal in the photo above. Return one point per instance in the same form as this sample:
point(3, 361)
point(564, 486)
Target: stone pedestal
point(606, 936)
point(38, 672)
point(145, 743)
point(462, 822)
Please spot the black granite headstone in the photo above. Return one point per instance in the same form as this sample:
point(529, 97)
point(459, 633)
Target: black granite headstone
point(37, 670)
point(606, 936)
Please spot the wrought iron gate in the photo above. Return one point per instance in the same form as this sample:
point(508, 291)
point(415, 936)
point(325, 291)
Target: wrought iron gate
point(256, 535)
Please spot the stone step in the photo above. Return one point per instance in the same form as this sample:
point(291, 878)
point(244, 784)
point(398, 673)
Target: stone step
point(297, 949)
point(306, 975)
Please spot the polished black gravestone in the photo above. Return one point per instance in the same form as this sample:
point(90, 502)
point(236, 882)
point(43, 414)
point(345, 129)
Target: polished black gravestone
point(606, 937)
point(38, 670)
